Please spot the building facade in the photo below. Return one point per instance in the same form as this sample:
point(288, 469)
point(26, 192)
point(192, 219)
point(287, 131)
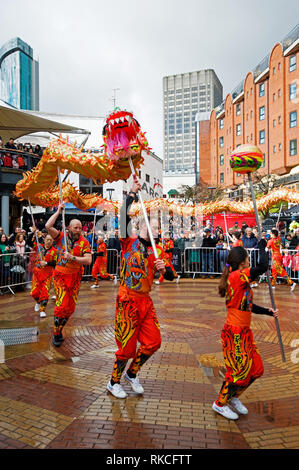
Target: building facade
point(184, 95)
point(19, 75)
point(262, 110)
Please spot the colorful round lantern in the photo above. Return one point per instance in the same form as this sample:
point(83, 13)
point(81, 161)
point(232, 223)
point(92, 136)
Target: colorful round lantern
point(246, 159)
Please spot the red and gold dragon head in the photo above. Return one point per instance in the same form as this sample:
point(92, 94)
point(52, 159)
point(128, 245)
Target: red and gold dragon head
point(122, 136)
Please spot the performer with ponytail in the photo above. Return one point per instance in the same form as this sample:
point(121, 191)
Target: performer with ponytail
point(237, 239)
point(242, 358)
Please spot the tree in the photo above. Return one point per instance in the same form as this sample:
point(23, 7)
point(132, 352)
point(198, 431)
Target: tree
point(200, 193)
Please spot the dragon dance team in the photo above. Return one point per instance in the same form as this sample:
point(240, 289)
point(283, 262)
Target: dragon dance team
point(136, 319)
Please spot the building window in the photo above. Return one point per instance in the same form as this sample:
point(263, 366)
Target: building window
point(279, 147)
point(221, 177)
point(221, 159)
point(293, 63)
point(279, 92)
point(238, 109)
point(274, 71)
point(221, 123)
point(262, 136)
point(221, 142)
point(279, 119)
point(264, 161)
point(262, 113)
point(293, 91)
point(274, 122)
point(293, 119)
point(278, 65)
point(274, 97)
point(262, 89)
point(274, 149)
point(251, 114)
point(238, 129)
point(293, 147)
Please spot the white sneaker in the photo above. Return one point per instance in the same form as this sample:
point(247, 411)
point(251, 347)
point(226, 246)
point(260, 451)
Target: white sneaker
point(157, 282)
point(238, 405)
point(42, 314)
point(273, 287)
point(116, 390)
point(225, 411)
point(254, 285)
point(177, 279)
point(135, 384)
point(94, 286)
point(53, 297)
point(115, 279)
point(293, 286)
point(37, 307)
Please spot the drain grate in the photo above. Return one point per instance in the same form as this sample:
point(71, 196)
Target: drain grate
point(11, 336)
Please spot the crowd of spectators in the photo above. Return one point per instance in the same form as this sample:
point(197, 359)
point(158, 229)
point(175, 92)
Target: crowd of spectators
point(205, 237)
point(17, 159)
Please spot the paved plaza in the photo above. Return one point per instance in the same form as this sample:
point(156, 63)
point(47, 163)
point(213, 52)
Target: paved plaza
point(57, 398)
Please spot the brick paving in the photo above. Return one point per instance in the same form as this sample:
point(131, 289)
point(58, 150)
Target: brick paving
point(57, 399)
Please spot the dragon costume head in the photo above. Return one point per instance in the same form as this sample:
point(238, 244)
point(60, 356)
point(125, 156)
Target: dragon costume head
point(122, 136)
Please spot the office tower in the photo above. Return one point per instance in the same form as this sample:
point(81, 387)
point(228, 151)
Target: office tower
point(19, 75)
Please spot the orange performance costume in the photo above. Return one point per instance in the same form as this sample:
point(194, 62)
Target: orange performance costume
point(135, 314)
point(237, 243)
point(42, 277)
point(67, 277)
point(100, 265)
point(274, 245)
point(168, 247)
point(242, 358)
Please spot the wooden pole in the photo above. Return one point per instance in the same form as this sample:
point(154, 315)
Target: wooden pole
point(267, 273)
point(144, 211)
point(36, 237)
point(63, 211)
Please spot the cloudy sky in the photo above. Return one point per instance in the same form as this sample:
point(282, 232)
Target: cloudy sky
point(86, 48)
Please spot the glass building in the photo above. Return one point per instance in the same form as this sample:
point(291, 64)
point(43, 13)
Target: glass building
point(19, 75)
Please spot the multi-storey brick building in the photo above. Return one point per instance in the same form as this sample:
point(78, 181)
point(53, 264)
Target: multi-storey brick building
point(262, 110)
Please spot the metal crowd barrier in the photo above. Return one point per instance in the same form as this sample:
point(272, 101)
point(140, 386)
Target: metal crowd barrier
point(16, 270)
point(211, 261)
point(112, 264)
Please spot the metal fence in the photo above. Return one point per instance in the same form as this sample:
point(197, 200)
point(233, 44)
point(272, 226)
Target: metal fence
point(16, 270)
point(211, 261)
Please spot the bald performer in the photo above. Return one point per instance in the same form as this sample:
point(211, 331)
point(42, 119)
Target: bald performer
point(68, 271)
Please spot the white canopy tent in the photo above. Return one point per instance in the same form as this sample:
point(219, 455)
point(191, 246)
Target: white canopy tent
point(16, 123)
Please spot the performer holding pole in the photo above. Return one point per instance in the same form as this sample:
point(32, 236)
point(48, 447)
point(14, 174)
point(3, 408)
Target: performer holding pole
point(246, 159)
point(135, 314)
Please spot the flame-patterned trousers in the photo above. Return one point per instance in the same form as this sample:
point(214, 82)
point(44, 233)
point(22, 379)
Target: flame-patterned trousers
point(100, 267)
point(278, 270)
point(66, 288)
point(41, 284)
point(136, 320)
point(242, 360)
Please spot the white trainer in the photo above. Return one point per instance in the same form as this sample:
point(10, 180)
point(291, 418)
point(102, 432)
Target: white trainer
point(116, 390)
point(53, 297)
point(273, 287)
point(37, 307)
point(135, 384)
point(293, 286)
point(42, 314)
point(94, 286)
point(157, 282)
point(254, 285)
point(225, 411)
point(177, 279)
point(238, 405)
point(115, 279)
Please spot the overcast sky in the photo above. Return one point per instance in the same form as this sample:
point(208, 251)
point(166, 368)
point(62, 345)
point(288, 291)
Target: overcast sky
point(86, 48)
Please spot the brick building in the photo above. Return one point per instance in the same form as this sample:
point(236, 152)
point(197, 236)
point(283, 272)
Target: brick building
point(262, 110)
